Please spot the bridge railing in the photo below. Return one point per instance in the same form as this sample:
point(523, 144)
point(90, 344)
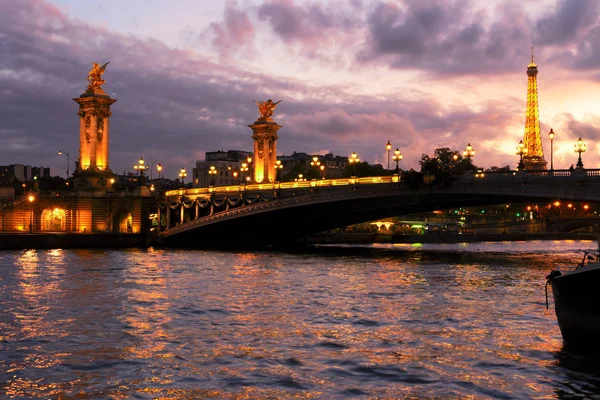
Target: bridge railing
point(558, 173)
point(285, 185)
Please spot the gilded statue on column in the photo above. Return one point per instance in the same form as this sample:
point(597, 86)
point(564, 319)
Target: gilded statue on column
point(266, 108)
point(95, 78)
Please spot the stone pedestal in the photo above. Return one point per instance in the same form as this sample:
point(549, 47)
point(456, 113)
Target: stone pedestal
point(265, 149)
point(93, 170)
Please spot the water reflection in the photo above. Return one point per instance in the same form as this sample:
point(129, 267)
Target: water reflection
point(388, 322)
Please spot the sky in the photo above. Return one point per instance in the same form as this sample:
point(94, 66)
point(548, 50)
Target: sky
point(352, 75)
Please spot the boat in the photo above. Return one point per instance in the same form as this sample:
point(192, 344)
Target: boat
point(577, 301)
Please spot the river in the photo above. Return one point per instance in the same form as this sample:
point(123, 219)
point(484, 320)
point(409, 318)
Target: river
point(374, 321)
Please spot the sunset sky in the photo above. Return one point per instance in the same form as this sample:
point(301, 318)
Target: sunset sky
point(352, 75)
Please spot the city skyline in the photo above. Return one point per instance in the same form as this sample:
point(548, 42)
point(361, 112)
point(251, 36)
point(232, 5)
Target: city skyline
point(351, 75)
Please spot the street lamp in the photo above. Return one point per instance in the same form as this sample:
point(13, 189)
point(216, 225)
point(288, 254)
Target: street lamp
point(397, 157)
point(182, 175)
point(244, 168)
point(521, 151)
point(315, 162)
point(31, 198)
point(580, 147)
point(249, 161)
point(388, 147)
point(212, 171)
point(551, 136)
point(469, 152)
point(66, 153)
point(278, 167)
point(354, 160)
point(322, 167)
point(141, 167)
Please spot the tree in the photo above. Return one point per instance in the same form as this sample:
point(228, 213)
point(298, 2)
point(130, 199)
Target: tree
point(499, 169)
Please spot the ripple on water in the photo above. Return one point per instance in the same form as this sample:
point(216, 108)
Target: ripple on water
point(385, 323)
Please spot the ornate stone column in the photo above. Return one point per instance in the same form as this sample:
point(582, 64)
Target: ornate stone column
point(93, 170)
point(265, 143)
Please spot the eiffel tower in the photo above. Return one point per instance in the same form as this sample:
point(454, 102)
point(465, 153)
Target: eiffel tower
point(534, 160)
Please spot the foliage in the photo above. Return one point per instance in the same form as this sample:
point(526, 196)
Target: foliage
point(363, 169)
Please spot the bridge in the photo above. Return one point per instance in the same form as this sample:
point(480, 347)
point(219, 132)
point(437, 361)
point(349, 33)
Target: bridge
point(276, 213)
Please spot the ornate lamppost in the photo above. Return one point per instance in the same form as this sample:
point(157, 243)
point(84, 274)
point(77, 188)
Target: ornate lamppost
point(469, 152)
point(278, 167)
point(243, 169)
point(31, 198)
point(388, 147)
point(249, 161)
point(322, 167)
point(353, 160)
point(551, 136)
point(315, 162)
point(182, 175)
point(212, 171)
point(66, 153)
point(397, 157)
point(140, 166)
point(521, 151)
point(580, 147)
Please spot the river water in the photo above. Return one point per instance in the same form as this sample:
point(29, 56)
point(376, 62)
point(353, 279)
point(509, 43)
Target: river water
point(378, 321)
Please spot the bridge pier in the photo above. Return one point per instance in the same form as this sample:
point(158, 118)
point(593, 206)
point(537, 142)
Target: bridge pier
point(159, 220)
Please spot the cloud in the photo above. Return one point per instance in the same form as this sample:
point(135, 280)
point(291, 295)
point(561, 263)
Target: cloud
point(235, 32)
point(445, 37)
point(568, 23)
point(174, 105)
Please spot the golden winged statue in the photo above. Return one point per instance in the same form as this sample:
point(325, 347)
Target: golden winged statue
point(95, 77)
point(266, 108)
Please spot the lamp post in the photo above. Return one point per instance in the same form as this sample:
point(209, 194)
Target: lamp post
point(388, 147)
point(322, 167)
point(551, 136)
point(354, 160)
point(315, 162)
point(469, 152)
point(243, 169)
point(397, 157)
point(521, 151)
point(31, 198)
point(278, 167)
point(580, 147)
point(212, 171)
point(249, 161)
point(140, 166)
point(66, 153)
point(182, 175)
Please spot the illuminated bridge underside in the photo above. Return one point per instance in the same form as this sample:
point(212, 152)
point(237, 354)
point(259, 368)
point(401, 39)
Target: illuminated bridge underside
point(301, 211)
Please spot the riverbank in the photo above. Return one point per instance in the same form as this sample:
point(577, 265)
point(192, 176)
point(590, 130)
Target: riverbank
point(116, 240)
point(20, 241)
point(365, 238)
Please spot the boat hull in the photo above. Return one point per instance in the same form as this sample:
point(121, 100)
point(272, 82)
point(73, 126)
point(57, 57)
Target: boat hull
point(577, 304)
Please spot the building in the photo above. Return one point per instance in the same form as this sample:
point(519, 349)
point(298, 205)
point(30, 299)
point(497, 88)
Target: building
point(225, 171)
point(24, 173)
